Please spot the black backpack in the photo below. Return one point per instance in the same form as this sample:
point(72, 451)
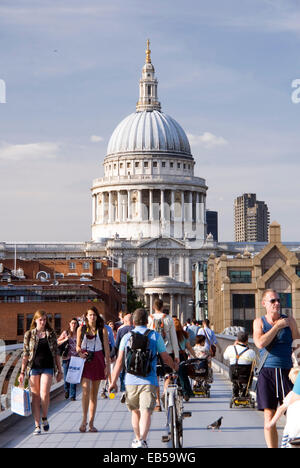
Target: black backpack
point(138, 355)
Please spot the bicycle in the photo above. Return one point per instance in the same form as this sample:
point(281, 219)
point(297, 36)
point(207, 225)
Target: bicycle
point(173, 403)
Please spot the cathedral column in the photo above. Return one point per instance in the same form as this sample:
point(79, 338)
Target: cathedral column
point(103, 207)
point(110, 207)
point(140, 207)
point(190, 208)
point(162, 205)
point(119, 216)
point(128, 205)
point(150, 204)
point(172, 207)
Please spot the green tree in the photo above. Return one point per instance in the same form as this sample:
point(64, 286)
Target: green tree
point(132, 300)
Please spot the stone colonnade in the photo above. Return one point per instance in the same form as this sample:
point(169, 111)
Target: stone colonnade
point(161, 204)
point(176, 303)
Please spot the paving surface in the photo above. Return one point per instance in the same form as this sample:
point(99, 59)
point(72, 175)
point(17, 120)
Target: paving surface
point(240, 427)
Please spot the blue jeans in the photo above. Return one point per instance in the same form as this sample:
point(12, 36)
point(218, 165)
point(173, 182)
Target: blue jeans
point(70, 388)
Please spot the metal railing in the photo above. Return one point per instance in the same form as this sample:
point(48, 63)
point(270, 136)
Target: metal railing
point(10, 366)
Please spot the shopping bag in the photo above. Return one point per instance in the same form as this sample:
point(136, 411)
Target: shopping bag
point(20, 401)
point(75, 370)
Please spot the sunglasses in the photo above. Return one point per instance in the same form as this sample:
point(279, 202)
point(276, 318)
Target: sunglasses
point(272, 301)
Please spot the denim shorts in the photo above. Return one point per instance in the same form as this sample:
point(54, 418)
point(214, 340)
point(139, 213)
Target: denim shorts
point(41, 371)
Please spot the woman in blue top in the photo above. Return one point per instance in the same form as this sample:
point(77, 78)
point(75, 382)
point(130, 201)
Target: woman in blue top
point(273, 383)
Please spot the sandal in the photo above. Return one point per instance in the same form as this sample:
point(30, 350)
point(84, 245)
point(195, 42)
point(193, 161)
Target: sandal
point(157, 408)
point(93, 429)
point(83, 427)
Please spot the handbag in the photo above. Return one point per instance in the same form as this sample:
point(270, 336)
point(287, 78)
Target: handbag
point(212, 347)
point(262, 362)
point(20, 401)
point(75, 370)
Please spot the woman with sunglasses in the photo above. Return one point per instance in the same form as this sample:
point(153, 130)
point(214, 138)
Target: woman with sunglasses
point(273, 334)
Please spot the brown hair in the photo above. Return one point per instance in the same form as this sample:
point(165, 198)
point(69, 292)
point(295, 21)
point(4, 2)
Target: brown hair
point(181, 334)
point(158, 304)
point(140, 317)
point(99, 320)
point(39, 314)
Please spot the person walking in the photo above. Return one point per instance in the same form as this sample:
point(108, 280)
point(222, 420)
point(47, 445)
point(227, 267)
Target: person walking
point(164, 325)
point(69, 337)
point(92, 345)
point(273, 334)
point(41, 360)
point(141, 391)
point(122, 330)
point(210, 336)
point(184, 348)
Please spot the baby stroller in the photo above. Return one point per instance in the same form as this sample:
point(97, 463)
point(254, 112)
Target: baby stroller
point(198, 370)
point(241, 377)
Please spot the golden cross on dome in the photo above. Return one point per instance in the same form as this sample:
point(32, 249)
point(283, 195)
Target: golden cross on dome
point(148, 52)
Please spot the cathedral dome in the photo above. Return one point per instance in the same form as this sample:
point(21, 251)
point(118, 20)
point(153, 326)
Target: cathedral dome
point(149, 131)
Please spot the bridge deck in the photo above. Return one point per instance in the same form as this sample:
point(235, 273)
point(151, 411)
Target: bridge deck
point(240, 428)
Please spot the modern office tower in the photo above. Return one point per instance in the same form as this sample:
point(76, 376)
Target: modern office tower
point(212, 223)
point(251, 219)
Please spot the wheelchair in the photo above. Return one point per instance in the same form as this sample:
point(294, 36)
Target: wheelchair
point(199, 371)
point(241, 377)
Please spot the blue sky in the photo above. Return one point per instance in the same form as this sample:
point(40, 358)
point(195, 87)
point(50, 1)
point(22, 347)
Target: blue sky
point(71, 69)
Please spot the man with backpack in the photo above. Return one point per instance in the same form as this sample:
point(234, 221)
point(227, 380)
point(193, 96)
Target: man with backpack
point(164, 325)
point(138, 350)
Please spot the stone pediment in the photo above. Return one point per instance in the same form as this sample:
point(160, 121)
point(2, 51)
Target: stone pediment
point(162, 243)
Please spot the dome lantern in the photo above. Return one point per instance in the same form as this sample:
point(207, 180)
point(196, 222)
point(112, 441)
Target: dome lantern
point(148, 100)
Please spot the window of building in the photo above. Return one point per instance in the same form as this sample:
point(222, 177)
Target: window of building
point(86, 265)
point(171, 164)
point(163, 267)
point(57, 323)
point(243, 310)
point(137, 164)
point(20, 324)
point(145, 163)
point(154, 163)
point(163, 164)
point(178, 165)
point(128, 164)
point(240, 276)
point(29, 318)
point(72, 266)
point(98, 266)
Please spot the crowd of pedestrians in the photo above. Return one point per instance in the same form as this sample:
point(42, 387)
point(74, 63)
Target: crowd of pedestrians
point(108, 347)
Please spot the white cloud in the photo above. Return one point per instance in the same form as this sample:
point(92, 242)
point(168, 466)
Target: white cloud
point(96, 138)
point(28, 151)
point(207, 140)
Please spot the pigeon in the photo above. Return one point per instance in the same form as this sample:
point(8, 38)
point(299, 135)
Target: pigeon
point(216, 424)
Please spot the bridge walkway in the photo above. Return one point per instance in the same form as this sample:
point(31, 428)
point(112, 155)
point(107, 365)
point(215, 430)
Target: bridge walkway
point(241, 427)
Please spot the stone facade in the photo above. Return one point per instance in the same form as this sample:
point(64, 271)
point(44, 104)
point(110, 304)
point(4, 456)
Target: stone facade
point(236, 282)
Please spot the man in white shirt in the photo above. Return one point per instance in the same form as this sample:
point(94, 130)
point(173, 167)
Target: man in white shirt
point(239, 354)
point(240, 346)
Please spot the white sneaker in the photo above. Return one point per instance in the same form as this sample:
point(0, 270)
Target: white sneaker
point(142, 444)
point(135, 443)
point(139, 444)
point(37, 430)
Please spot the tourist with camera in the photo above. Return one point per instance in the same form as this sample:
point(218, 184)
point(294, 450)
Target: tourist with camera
point(92, 345)
point(67, 348)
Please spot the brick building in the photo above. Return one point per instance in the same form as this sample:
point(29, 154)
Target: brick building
point(63, 288)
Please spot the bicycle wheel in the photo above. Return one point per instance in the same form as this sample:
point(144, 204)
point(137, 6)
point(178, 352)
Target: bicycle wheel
point(176, 429)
